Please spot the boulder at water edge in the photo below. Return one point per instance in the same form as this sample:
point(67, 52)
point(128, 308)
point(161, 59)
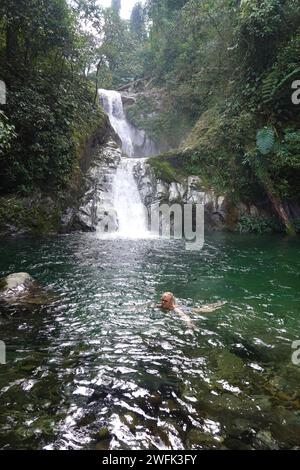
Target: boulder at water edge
point(21, 289)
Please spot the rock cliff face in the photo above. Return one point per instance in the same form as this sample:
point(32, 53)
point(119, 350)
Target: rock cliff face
point(221, 213)
point(42, 214)
point(89, 198)
point(144, 106)
point(154, 192)
point(97, 204)
point(97, 201)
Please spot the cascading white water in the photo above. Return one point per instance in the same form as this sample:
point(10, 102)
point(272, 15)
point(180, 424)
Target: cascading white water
point(112, 103)
point(131, 213)
point(135, 142)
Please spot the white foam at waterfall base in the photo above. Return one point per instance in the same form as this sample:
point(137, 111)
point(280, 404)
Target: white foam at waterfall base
point(131, 213)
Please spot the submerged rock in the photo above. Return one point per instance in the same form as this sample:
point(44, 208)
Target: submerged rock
point(198, 439)
point(265, 440)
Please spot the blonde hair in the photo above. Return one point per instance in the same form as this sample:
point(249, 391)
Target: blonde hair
point(170, 294)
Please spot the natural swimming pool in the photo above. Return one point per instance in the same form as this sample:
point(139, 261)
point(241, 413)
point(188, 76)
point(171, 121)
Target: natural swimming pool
point(101, 368)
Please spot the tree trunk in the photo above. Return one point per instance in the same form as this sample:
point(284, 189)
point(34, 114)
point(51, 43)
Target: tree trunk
point(97, 80)
point(277, 204)
point(10, 43)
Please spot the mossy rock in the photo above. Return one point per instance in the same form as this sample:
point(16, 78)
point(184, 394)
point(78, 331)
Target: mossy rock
point(103, 435)
point(229, 365)
point(199, 439)
point(170, 167)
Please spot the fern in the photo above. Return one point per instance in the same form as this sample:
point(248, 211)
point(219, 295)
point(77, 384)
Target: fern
point(288, 77)
point(269, 86)
point(265, 140)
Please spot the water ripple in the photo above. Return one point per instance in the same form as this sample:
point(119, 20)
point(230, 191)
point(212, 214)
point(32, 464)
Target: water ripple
point(103, 369)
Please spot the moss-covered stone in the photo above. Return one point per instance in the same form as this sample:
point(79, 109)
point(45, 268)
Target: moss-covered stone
point(143, 113)
point(93, 130)
point(170, 167)
point(103, 434)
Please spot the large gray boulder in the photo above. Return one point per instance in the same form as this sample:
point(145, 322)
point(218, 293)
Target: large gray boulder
point(21, 289)
point(15, 284)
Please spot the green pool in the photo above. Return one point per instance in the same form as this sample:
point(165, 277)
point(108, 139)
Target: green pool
point(101, 368)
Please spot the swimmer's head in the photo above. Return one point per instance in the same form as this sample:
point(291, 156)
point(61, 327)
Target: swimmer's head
point(168, 301)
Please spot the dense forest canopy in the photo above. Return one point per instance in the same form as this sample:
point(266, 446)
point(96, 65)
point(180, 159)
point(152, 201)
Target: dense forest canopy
point(227, 68)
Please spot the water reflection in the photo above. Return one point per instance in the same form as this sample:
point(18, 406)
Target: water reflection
point(101, 368)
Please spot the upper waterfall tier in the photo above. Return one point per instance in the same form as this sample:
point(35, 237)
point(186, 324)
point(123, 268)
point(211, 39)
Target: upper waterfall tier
point(131, 213)
point(135, 142)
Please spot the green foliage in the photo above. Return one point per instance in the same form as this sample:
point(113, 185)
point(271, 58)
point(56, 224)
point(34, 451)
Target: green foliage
point(138, 22)
point(269, 85)
point(288, 153)
point(260, 225)
point(141, 113)
point(49, 59)
point(119, 54)
point(27, 216)
point(42, 56)
point(228, 68)
point(7, 134)
point(265, 140)
point(148, 114)
point(168, 168)
point(261, 18)
point(285, 165)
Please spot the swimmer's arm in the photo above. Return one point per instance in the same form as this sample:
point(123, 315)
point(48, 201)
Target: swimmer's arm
point(186, 318)
point(209, 308)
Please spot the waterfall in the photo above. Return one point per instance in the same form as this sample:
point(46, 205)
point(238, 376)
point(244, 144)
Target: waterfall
point(135, 142)
point(131, 213)
point(113, 106)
